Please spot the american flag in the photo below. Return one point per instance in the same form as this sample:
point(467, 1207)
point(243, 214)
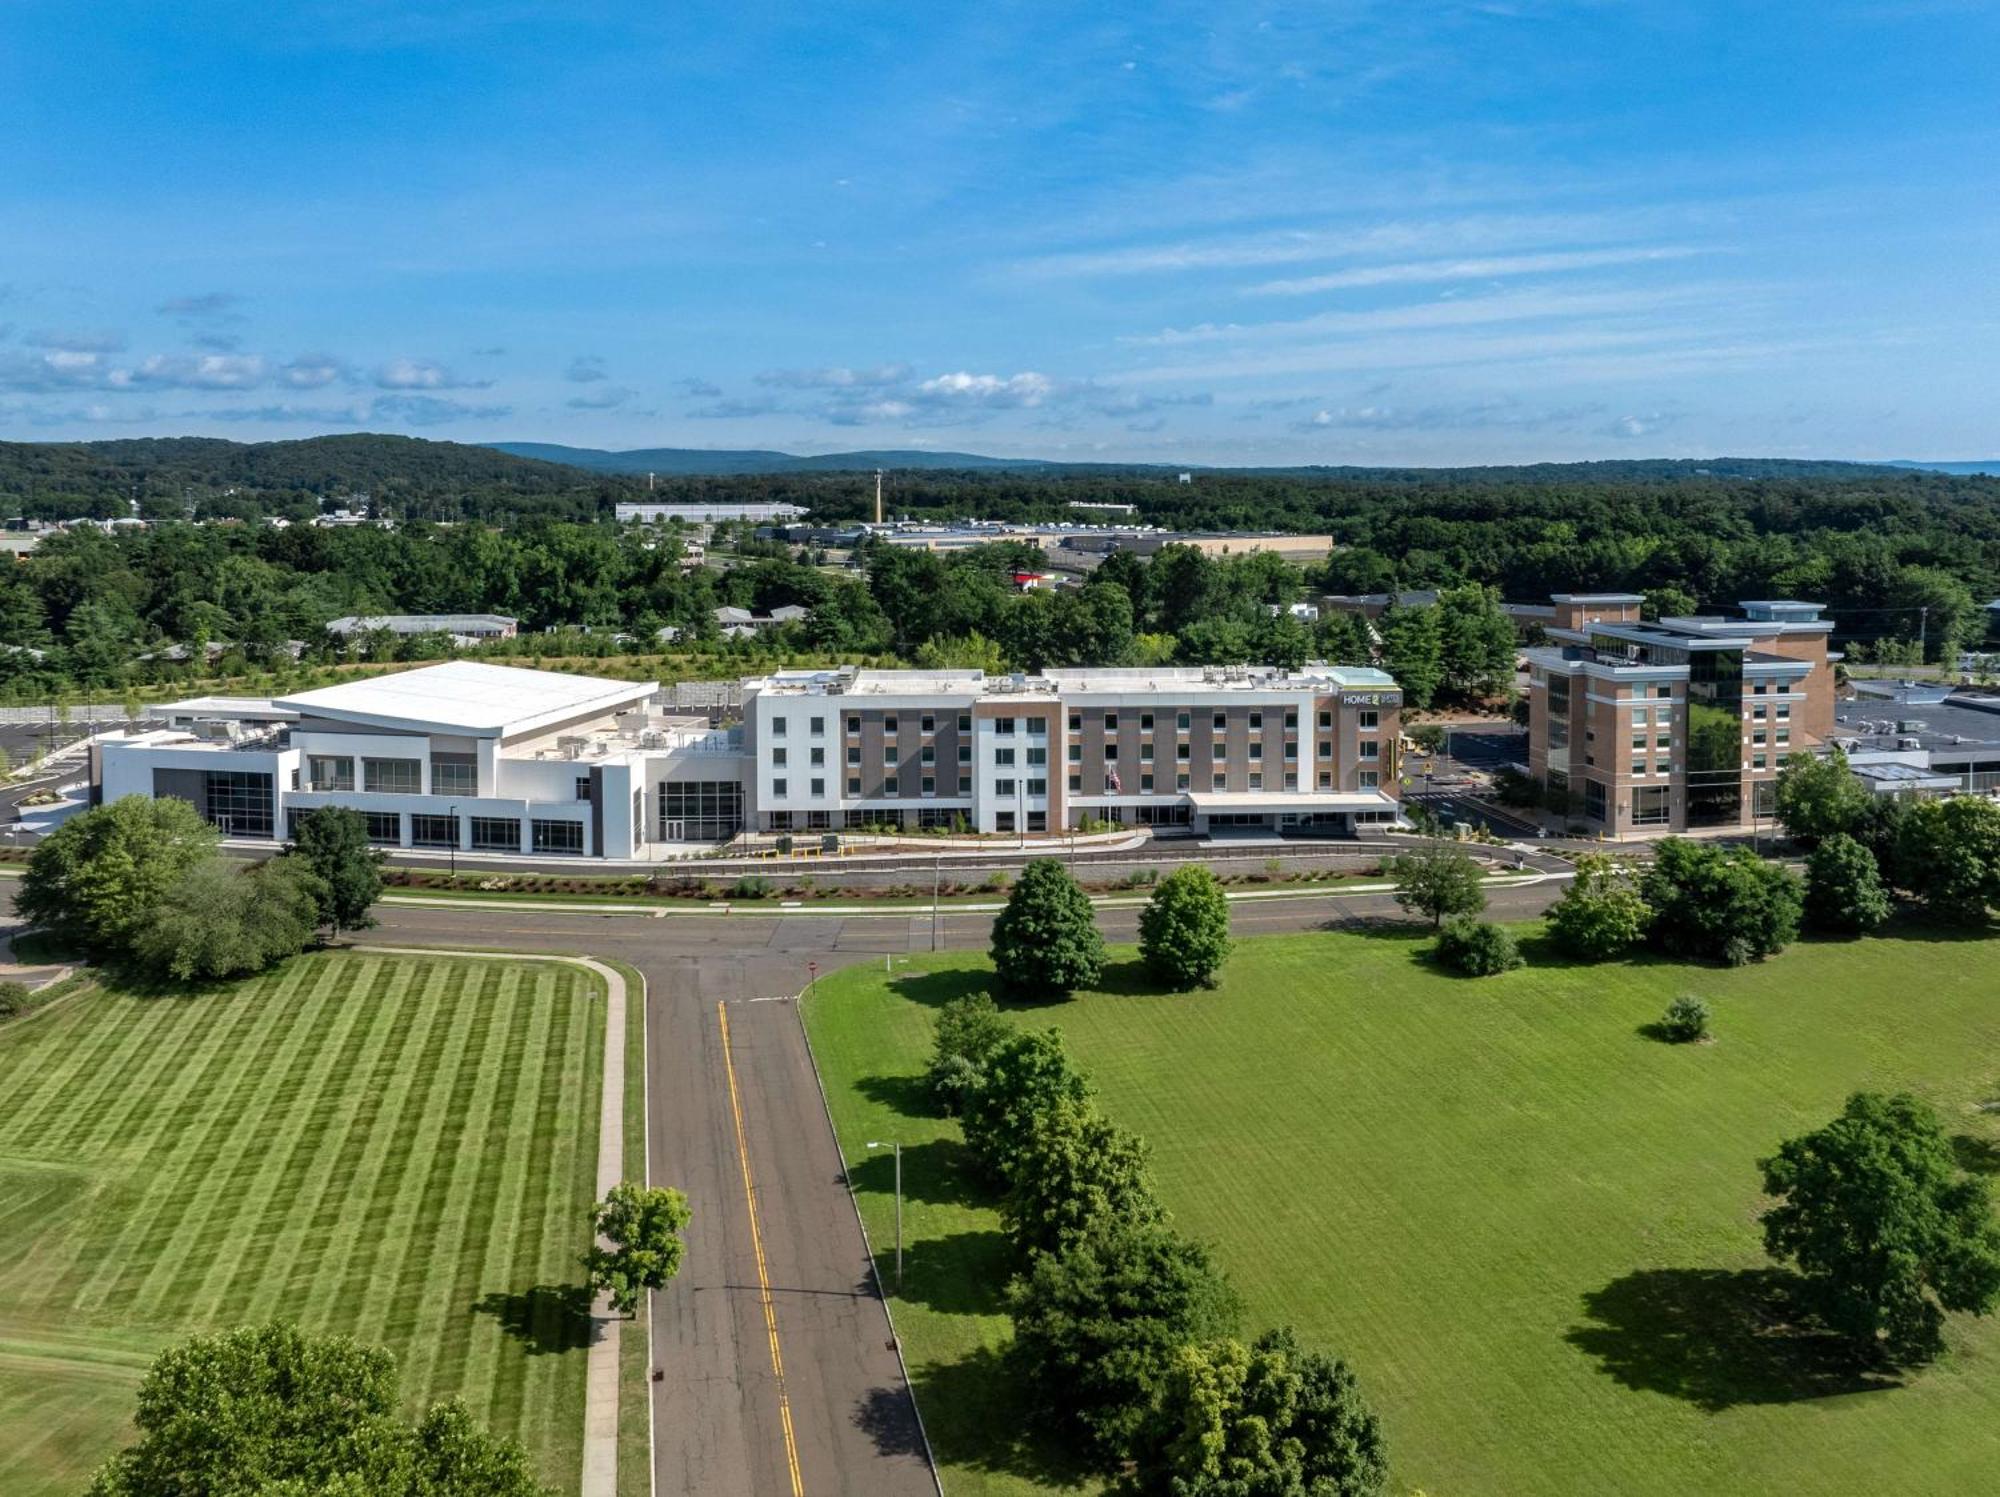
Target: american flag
point(1111, 782)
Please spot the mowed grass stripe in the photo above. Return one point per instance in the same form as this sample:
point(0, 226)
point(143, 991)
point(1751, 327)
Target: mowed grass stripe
point(354, 1141)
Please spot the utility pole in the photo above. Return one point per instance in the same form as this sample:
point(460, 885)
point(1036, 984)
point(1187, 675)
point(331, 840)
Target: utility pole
point(878, 496)
point(937, 890)
point(1923, 630)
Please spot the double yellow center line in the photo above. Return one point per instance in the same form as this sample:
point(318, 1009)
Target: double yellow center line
point(757, 1245)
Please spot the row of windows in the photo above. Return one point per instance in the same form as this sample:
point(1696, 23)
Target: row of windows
point(489, 833)
point(1038, 727)
point(451, 774)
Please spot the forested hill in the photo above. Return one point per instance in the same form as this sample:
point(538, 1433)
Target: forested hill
point(718, 461)
point(214, 478)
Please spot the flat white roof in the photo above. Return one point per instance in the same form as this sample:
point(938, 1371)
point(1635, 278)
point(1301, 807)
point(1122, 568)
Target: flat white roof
point(245, 709)
point(1210, 802)
point(469, 697)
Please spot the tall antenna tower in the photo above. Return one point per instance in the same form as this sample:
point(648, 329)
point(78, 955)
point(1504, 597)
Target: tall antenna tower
point(878, 496)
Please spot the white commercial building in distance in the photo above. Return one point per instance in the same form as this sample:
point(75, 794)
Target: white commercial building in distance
point(494, 759)
point(648, 513)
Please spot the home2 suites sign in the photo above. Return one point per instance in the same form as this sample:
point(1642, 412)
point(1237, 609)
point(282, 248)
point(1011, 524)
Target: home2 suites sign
point(1370, 699)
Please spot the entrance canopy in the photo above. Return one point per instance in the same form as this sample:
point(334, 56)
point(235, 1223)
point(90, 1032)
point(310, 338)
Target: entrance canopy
point(1304, 802)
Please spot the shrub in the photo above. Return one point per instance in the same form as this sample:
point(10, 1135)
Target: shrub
point(1686, 1020)
point(1725, 904)
point(1600, 915)
point(14, 998)
point(750, 886)
point(1477, 948)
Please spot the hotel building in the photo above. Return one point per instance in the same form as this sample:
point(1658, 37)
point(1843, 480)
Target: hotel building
point(1640, 728)
point(488, 758)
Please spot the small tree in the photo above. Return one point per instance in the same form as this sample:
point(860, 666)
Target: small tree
point(1046, 941)
point(1601, 914)
point(1477, 948)
point(14, 999)
point(1267, 1417)
point(1438, 881)
point(1184, 929)
point(1818, 797)
point(643, 1225)
point(1726, 904)
point(96, 879)
point(270, 1409)
point(1024, 1077)
point(1948, 856)
point(1886, 1229)
point(1685, 1021)
point(1097, 1330)
point(1844, 893)
point(969, 1029)
point(333, 842)
point(1087, 1172)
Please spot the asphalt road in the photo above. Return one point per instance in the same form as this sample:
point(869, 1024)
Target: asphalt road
point(840, 1420)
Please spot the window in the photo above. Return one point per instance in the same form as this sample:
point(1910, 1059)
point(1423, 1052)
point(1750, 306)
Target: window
point(890, 786)
point(927, 724)
point(1757, 712)
point(325, 773)
point(1221, 721)
point(1145, 784)
point(1784, 736)
point(433, 831)
point(1256, 751)
point(240, 802)
point(1182, 752)
point(1180, 782)
point(1638, 742)
point(1145, 722)
point(1003, 821)
point(927, 785)
point(1291, 782)
point(1638, 717)
point(1256, 722)
point(1075, 784)
point(777, 727)
point(1639, 768)
point(1038, 727)
point(1111, 722)
point(965, 722)
point(454, 774)
point(1325, 749)
point(583, 787)
point(1003, 787)
point(1038, 787)
point(1221, 782)
point(1181, 722)
point(1325, 778)
point(1367, 719)
point(1040, 756)
point(818, 757)
point(1756, 761)
point(889, 726)
point(889, 754)
point(1076, 753)
point(929, 755)
point(1003, 757)
point(818, 789)
point(778, 757)
point(496, 834)
point(564, 837)
point(700, 810)
point(1146, 753)
point(1256, 782)
point(965, 784)
point(393, 775)
point(854, 784)
point(853, 724)
point(817, 726)
point(854, 755)
point(1783, 711)
point(1110, 753)
point(1076, 722)
point(965, 753)
point(1291, 748)
point(1651, 805)
point(1663, 691)
point(778, 789)
point(1367, 779)
point(1004, 726)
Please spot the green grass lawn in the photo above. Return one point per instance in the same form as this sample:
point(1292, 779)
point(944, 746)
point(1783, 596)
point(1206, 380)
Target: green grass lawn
point(1531, 1228)
point(398, 1148)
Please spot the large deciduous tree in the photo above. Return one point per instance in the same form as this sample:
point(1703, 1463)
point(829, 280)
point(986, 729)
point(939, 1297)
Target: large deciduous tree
point(1819, 797)
point(1241, 1421)
point(96, 879)
point(333, 843)
point(1437, 881)
point(642, 1225)
point(969, 1029)
point(223, 921)
point(271, 1409)
point(1184, 929)
point(1097, 1330)
point(1844, 892)
point(1887, 1231)
point(1046, 941)
point(1726, 904)
point(1023, 1078)
point(1088, 1172)
point(1948, 856)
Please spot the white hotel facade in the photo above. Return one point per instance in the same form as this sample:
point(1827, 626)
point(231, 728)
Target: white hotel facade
point(492, 759)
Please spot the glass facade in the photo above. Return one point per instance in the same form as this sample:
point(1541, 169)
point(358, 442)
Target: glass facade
point(558, 836)
point(392, 776)
point(433, 831)
point(326, 772)
point(240, 803)
point(1558, 742)
point(1715, 738)
point(385, 828)
point(455, 774)
point(706, 810)
point(496, 834)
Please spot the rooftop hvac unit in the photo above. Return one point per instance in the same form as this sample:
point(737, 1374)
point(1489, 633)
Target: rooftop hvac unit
point(652, 738)
point(1909, 743)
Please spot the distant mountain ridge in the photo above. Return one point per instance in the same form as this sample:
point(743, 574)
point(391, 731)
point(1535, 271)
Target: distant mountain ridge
point(692, 461)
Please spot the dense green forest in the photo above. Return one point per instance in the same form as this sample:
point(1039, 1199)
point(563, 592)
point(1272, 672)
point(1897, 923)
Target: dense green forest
point(1894, 555)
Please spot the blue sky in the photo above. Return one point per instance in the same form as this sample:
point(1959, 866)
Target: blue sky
point(1231, 233)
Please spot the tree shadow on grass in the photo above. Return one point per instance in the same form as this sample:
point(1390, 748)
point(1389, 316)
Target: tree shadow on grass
point(941, 1172)
point(978, 1417)
point(1718, 1338)
point(936, 989)
point(906, 1095)
point(959, 1274)
point(549, 1318)
point(1975, 1155)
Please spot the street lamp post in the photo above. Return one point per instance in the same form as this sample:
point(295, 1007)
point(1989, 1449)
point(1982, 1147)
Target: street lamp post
point(937, 890)
point(899, 1207)
point(452, 811)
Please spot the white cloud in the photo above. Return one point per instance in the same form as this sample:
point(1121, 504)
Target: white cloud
point(1488, 268)
point(996, 391)
point(310, 371)
point(427, 410)
point(422, 374)
point(836, 377)
point(207, 371)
